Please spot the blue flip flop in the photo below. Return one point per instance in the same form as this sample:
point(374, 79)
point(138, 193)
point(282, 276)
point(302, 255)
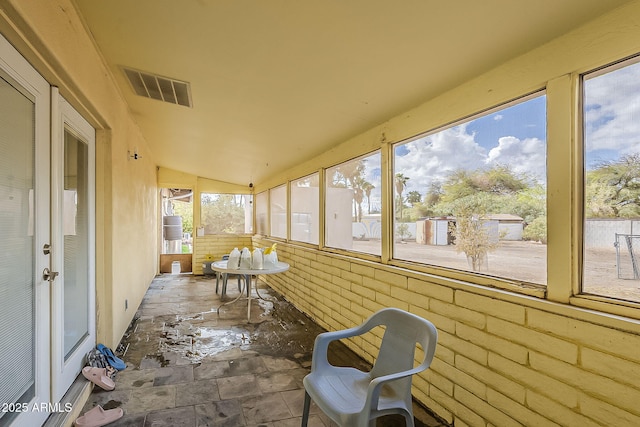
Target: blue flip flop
point(111, 358)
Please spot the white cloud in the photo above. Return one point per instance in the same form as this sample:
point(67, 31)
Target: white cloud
point(612, 118)
point(612, 122)
point(434, 157)
point(526, 156)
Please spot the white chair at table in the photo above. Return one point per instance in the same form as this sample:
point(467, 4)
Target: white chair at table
point(224, 278)
point(353, 398)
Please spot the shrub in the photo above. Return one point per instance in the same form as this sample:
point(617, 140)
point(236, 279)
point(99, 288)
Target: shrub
point(536, 230)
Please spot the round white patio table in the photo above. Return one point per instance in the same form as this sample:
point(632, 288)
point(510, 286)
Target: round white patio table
point(221, 267)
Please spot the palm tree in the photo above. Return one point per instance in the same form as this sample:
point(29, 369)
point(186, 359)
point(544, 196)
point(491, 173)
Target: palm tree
point(368, 188)
point(414, 197)
point(351, 175)
point(401, 183)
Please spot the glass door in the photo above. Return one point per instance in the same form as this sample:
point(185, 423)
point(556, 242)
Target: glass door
point(24, 236)
point(73, 314)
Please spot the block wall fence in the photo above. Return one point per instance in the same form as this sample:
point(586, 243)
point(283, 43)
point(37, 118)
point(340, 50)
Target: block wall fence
point(502, 359)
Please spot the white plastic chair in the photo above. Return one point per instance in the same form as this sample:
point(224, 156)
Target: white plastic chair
point(354, 398)
point(224, 277)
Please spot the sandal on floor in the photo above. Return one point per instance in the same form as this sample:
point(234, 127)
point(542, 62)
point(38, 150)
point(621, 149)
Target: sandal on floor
point(99, 377)
point(111, 358)
point(97, 417)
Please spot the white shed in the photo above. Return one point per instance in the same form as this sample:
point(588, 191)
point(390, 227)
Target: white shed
point(510, 226)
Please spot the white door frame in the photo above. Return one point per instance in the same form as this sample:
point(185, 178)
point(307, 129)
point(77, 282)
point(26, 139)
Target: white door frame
point(33, 84)
point(66, 119)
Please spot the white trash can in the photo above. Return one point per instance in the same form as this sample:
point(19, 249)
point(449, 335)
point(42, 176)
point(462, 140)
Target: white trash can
point(175, 267)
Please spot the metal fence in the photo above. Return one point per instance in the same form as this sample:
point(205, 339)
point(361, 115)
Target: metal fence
point(627, 252)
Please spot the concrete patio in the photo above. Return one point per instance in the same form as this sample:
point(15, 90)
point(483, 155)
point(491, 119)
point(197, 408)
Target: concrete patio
point(190, 365)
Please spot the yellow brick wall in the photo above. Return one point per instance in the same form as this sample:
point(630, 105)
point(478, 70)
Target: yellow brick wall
point(502, 359)
point(217, 245)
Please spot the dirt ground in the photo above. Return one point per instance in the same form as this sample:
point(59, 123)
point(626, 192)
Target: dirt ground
point(526, 261)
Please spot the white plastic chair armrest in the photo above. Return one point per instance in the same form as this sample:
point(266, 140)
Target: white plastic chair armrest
point(373, 390)
point(321, 345)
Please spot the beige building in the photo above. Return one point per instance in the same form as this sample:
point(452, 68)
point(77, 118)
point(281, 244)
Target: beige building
point(77, 144)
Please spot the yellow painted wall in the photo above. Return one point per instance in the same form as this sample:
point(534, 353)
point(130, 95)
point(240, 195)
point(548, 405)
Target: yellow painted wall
point(51, 36)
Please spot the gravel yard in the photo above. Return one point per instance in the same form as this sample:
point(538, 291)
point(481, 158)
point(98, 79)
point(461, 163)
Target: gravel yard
point(524, 261)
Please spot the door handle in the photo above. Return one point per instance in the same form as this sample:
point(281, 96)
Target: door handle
point(48, 275)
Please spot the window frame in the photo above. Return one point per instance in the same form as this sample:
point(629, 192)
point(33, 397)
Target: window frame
point(528, 288)
point(600, 303)
point(284, 187)
point(318, 207)
point(257, 201)
point(323, 231)
point(564, 200)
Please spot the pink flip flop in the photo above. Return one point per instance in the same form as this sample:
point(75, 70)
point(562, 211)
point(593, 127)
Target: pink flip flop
point(97, 417)
point(99, 377)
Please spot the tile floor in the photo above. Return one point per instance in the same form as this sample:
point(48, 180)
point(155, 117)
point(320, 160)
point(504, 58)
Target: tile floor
point(188, 365)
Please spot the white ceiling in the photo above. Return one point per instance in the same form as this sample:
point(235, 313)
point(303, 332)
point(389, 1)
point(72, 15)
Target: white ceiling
point(276, 82)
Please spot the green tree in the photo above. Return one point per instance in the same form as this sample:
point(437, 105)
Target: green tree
point(222, 213)
point(185, 210)
point(434, 194)
point(425, 208)
point(416, 211)
point(536, 230)
point(499, 180)
point(414, 197)
point(351, 175)
point(500, 189)
point(358, 196)
point(368, 188)
point(613, 188)
point(529, 204)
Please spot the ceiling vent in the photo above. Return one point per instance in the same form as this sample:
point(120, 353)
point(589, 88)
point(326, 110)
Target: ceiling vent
point(160, 88)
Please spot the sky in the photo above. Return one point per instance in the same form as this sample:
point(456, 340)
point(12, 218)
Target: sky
point(513, 136)
point(612, 115)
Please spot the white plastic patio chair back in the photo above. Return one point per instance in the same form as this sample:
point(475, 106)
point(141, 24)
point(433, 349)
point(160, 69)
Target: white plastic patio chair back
point(352, 398)
point(225, 277)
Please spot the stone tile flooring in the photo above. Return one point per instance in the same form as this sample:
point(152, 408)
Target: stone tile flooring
point(188, 365)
